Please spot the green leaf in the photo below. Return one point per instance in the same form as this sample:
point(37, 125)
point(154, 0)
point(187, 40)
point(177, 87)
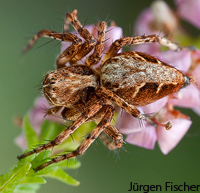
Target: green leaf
point(27, 188)
point(50, 130)
point(114, 118)
point(62, 176)
point(71, 143)
point(197, 42)
point(72, 163)
point(30, 180)
point(14, 176)
point(44, 171)
point(31, 136)
point(66, 164)
point(41, 158)
point(28, 159)
point(34, 179)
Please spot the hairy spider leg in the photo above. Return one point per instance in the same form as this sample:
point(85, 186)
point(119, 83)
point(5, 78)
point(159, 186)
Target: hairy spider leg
point(116, 138)
point(110, 131)
point(91, 111)
point(101, 91)
point(76, 51)
point(99, 47)
point(107, 118)
point(127, 41)
point(67, 54)
point(114, 134)
point(67, 23)
point(89, 43)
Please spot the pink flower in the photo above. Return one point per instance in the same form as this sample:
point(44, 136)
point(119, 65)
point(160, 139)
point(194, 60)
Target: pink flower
point(20, 141)
point(143, 26)
point(195, 67)
point(185, 61)
point(151, 21)
point(167, 140)
point(180, 60)
point(158, 19)
point(147, 136)
point(189, 10)
point(195, 71)
point(37, 115)
point(143, 23)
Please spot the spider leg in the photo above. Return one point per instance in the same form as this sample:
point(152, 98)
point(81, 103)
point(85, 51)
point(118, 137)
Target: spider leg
point(116, 139)
point(99, 47)
point(87, 142)
point(87, 46)
point(91, 111)
point(101, 91)
point(114, 134)
point(127, 41)
point(66, 24)
point(67, 54)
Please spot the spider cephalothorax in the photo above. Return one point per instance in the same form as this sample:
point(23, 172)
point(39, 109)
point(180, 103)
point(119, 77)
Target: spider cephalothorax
point(128, 80)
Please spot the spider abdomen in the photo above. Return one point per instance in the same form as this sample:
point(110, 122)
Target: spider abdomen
point(140, 79)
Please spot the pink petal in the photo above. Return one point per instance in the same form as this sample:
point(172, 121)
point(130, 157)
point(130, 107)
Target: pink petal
point(143, 23)
point(38, 114)
point(189, 10)
point(180, 60)
point(168, 139)
point(20, 140)
point(196, 63)
point(197, 110)
point(143, 26)
point(196, 73)
point(145, 138)
point(113, 33)
point(178, 2)
point(188, 97)
point(155, 106)
point(126, 123)
point(164, 17)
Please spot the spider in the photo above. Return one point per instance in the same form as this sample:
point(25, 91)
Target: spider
point(128, 79)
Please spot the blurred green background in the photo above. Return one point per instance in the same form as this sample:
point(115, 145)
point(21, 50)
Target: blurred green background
point(101, 170)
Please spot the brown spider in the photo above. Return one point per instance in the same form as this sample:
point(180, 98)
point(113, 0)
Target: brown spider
point(128, 80)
